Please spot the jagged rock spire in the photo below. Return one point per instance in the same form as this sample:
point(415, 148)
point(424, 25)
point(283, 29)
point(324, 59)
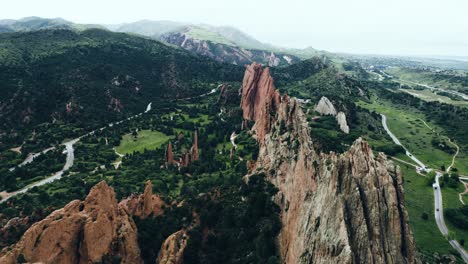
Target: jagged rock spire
point(260, 99)
point(194, 150)
point(169, 155)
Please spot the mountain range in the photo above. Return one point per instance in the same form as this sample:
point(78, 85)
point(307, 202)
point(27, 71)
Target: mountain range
point(175, 143)
point(225, 44)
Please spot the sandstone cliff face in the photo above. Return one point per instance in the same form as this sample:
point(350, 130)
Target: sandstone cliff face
point(194, 150)
point(172, 250)
point(259, 99)
point(145, 204)
point(82, 232)
point(346, 208)
point(169, 155)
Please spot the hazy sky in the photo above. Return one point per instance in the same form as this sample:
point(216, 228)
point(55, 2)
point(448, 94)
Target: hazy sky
point(416, 27)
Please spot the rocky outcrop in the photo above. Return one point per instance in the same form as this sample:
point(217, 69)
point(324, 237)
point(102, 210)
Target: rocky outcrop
point(335, 208)
point(172, 250)
point(88, 231)
point(225, 52)
point(341, 119)
point(145, 204)
point(326, 107)
point(194, 155)
point(259, 99)
point(185, 159)
point(169, 155)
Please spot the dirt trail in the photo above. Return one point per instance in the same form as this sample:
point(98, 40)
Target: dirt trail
point(460, 195)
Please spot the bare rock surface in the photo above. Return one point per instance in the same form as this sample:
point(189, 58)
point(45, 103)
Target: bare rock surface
point(325, 107)
point(341, 119)
point(172, 250)
point(335, 208)
point(259, 98)
point(145, 204)
point(82, 232)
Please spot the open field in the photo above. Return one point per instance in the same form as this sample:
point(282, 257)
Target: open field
point(426, 77)
point(408, 126)
point(146, 139)
point(428, 95)
point(420, 199)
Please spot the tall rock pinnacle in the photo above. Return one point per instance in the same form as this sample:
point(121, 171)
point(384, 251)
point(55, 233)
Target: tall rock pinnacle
point(335, 208)
point(194, 150)
point(259, 98)
point(82, 232)
point(169, 155)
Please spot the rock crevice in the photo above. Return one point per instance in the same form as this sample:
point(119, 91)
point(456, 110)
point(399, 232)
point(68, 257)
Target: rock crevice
point(335, 208)
point(82, 232)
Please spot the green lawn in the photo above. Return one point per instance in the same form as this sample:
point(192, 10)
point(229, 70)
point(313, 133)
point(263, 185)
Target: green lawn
point(451, 200)
point(407, 125)
point(201, 33)
point(428, 95)
point(420, 199)
point(146, 139)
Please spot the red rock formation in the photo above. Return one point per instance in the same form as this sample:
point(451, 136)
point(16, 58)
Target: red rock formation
point(169, 155)
point(81, 232)
point(194, 150)
point(172, 250)
point(335, 208)
point(145, 204)
point(259, 99)
point(185, 160)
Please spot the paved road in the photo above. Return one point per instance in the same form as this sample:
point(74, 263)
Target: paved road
point(439, 216)
point(395, 139)
point(438, 202)
point(69, 150)
point(462, 95)
point(31, 157)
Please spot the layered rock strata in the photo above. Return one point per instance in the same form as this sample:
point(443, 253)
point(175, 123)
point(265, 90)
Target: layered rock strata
point(335, 208)
point(86, 231)
point(259, 99)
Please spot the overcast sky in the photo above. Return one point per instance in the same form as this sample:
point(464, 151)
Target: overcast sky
point(406, 27)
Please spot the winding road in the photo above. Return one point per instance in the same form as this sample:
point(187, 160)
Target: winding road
point(69, 150)
point(396, 141)
point(438, 202)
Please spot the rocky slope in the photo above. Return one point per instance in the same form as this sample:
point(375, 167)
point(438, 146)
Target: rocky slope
point(172, 250)
point(335, 208)
point(145, 204)
point(227, 53)
point(88, 231)
point(326, 107)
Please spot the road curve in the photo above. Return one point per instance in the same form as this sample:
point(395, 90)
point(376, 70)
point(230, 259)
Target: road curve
point(439, 216)
point(396, 141)
point(438, 202)
point(70, 152)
